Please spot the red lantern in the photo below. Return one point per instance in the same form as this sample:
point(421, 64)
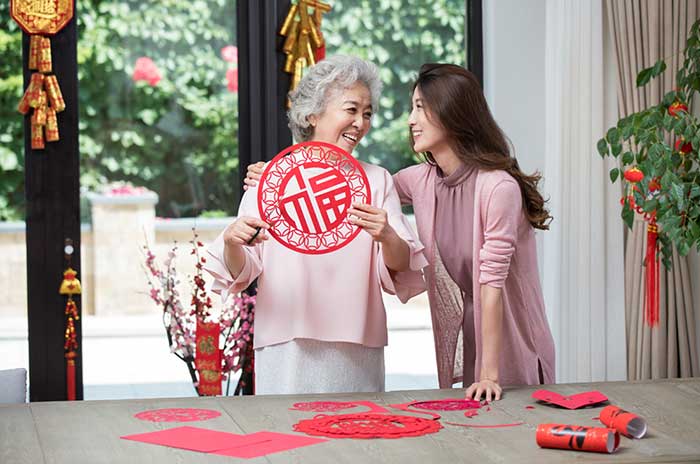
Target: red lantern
point(633, 175)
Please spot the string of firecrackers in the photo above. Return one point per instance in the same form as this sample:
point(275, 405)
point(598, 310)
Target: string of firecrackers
point(633, 176)
point(39, 19)
point(304, 44)
point(70, 286)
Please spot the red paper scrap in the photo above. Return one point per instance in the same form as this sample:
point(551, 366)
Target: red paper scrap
point(576, 401)
point(177, 415)
point(491, 426)
point(196, 439)
point(373, 407)
point(529, 407)
point(273, 443)
point(471, 413)
point(407, 407)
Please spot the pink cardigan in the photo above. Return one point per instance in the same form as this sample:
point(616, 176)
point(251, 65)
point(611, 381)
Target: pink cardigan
point(504, 256)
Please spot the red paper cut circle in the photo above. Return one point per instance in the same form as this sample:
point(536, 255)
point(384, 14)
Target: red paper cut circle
point(367, 426)
point(323, 406)
point(305, 192)
point(177, 415)
point(446, 405)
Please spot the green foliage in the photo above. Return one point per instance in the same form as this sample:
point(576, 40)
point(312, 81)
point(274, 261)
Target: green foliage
point(11, 132)
point(179, 137)
point(644, 138)
point(398, 36)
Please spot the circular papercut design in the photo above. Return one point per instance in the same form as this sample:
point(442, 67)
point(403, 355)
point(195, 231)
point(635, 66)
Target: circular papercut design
point(367, 426)
point(177, 415)
point(304, 195)
point(446, 405)
point(322, 406)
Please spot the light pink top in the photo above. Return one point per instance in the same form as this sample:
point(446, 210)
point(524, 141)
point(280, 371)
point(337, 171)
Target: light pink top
point(504, 256)
point(333, 297)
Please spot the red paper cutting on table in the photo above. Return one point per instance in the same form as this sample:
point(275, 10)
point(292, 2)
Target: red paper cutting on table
point(177, 415)
point(446, 405)
point(322, 406)
point(305, 192)
point(407, 407)
point(367, 426)
point(576, 401)
point(334, 406)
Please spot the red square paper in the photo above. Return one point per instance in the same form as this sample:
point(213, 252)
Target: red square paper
point(196, 439)
point(275, 442)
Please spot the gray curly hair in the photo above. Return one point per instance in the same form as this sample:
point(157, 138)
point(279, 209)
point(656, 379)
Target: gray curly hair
point(321, 82)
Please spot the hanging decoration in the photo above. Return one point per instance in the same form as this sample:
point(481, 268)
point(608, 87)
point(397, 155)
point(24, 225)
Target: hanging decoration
point(70, 286)
point(633, 176)
point(304, 44)
point(40, 19)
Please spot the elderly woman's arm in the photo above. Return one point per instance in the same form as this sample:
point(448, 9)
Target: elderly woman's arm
point(374, 221)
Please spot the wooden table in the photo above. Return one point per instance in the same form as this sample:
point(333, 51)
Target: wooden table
point(89, 431)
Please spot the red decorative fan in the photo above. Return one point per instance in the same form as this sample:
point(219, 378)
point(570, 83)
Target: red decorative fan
point(305, 192)
point(367, 426)
point(177, 415)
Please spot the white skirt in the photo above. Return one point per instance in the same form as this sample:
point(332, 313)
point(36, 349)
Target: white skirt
point(313, 366)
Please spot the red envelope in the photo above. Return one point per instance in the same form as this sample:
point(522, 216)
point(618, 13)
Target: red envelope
point(196, 439)
point(576, 401)
point(269, 442)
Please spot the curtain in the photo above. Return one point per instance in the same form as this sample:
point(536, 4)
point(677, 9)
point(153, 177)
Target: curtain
point(583, 252)
point(643, 31)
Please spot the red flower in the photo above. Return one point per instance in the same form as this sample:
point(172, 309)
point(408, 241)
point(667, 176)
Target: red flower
point(683, 148)
point(230, 54)
point(232, 80)
point(146, 70)
point(676, 107)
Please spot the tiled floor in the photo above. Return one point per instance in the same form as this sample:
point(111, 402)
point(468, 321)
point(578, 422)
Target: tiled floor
point(128, 357)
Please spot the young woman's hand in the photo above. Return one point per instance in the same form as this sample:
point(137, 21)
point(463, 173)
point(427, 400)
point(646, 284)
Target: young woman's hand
point(253, 174)
point(373, 220)
point(247, 231)
point(488, 388)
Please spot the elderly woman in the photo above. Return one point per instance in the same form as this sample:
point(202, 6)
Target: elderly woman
point(320, 324)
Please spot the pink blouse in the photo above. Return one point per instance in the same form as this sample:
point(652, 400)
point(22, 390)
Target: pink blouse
point(334, 297)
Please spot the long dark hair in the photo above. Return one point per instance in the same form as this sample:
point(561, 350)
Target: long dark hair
point(453, 96)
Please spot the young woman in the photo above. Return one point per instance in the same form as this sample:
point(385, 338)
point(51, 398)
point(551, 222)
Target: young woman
point(320, 324)
point(476, 212)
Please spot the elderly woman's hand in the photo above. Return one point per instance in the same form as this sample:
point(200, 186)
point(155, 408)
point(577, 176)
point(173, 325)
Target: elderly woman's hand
point(247, 231)
point(373, 220)
point(253, 174)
